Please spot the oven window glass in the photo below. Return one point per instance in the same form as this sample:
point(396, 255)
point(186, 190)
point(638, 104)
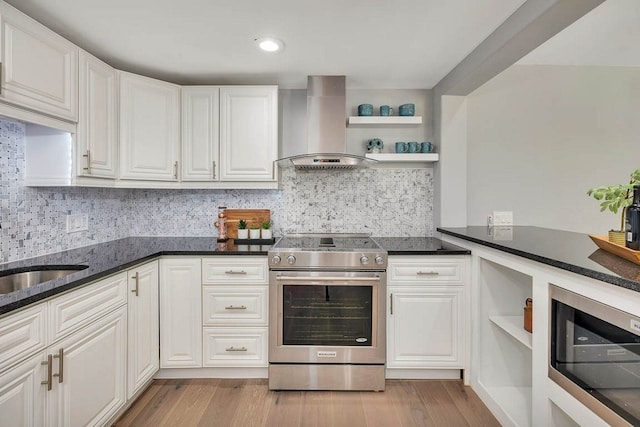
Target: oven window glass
point(327, 315)
point(599, 357)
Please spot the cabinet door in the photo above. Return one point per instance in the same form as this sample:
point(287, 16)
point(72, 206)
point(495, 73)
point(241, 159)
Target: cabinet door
point(149, 128)
point(248, 133)
point(97, 137)
point(22, 396)
point(180, 313)
point(200, 133)
point(424, 327)
point(143, 326)
point(39, 68)
point(89, 384)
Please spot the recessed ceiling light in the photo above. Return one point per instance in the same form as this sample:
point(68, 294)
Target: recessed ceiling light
point(269, 44)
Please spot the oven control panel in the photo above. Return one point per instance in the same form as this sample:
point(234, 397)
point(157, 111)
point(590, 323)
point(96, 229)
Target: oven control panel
point(325, 260)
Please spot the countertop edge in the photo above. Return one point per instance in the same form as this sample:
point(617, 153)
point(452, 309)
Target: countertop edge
point(430, 253)
point(152, 255)
point(614, 280)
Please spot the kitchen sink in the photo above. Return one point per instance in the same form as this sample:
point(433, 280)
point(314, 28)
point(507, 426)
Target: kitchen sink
point(26, 279)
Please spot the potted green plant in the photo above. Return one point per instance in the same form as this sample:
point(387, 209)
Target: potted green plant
point(266, 230)
point(243, 233)
point(254, 231)
point(616, 198)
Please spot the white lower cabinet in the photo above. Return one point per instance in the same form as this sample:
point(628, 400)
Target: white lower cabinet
point(424, 327)
point(22, 396)
point(180, 313)
point(213, 312)
point(79, 379)
point(426, 315)
point(235, 317)
point(89, 373)
point(143, 337)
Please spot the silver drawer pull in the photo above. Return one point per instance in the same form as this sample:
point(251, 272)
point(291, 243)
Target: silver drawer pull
point(233, 307)
point(428, 273)
point(235, 272)
point(237, 349)
point(49, 380)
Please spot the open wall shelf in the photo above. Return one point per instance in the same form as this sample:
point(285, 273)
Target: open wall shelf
point(384, 120)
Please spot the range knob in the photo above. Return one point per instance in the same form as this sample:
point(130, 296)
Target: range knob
point(364, 260)
point(379, 260)
point(276, 259)
point(291, 259)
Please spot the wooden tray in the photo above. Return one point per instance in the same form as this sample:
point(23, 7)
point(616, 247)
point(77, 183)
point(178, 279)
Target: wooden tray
point(252, 216)
point(623, 252)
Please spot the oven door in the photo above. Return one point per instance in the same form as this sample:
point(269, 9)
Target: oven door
point(595, 355)
point(327, 317)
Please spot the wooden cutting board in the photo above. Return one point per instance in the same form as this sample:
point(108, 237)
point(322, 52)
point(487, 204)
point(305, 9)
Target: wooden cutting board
point(252, 216)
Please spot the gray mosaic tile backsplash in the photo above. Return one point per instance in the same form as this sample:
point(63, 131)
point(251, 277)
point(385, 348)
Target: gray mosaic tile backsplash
point(383, 202)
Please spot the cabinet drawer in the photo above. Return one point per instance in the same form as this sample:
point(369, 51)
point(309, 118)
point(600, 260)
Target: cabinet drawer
point(235, 347)
point(226, 270)
point(76, 309)
point(228, 305)
point(22, 334)
point(424, 271)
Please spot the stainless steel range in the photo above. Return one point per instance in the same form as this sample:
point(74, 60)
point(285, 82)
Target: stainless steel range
point(327, 295)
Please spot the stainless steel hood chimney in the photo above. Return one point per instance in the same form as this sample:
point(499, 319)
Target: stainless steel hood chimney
point(326, 128)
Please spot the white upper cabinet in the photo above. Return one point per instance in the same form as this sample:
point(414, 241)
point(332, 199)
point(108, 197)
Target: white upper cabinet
point(149, 128)
point(97, 136)
point(39, 68)
point(248, 133)
point(200, 133)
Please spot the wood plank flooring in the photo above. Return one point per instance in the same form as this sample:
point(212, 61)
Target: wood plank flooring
point(249, 403)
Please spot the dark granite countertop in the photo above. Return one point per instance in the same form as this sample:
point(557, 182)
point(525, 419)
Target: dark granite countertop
point(574, 252)
point(104, 259)
point(419, 246)
point(111, 257)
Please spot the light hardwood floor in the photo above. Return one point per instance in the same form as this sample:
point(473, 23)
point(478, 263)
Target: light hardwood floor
point(248, 402)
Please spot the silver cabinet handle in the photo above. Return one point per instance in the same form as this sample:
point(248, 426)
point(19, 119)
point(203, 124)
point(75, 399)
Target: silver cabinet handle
point(235, 272)
point(88, 156)
point(233, 307)
point(137, 279)
point(49, 381)
point(232, 348)
point(60, 357)
point(427, 273)
point(175, 169)
point(214, 169)
point(391, 302)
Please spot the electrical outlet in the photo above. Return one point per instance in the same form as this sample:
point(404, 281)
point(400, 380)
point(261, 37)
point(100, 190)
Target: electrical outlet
point(77, 222)
point(502, 218)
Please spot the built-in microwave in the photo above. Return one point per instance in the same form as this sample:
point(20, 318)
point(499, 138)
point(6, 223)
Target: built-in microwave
point(595, 355)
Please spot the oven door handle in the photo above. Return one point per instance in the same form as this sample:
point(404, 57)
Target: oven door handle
point(327, 279)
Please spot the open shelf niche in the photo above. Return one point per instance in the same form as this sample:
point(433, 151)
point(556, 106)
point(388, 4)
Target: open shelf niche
point(504, 347)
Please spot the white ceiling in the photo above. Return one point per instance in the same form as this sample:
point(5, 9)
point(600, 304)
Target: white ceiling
point(609, 35)
point(375, 43)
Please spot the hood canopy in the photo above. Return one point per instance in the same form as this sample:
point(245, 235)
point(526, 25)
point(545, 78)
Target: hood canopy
point(326, 143)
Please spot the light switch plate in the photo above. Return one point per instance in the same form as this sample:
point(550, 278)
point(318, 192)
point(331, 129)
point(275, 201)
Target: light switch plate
point(502, 218)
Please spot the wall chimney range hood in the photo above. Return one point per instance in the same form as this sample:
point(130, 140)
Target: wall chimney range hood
point(326, 143)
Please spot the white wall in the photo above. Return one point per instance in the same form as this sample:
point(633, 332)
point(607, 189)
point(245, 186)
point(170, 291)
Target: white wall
point(451, 172)
point(540, 136)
